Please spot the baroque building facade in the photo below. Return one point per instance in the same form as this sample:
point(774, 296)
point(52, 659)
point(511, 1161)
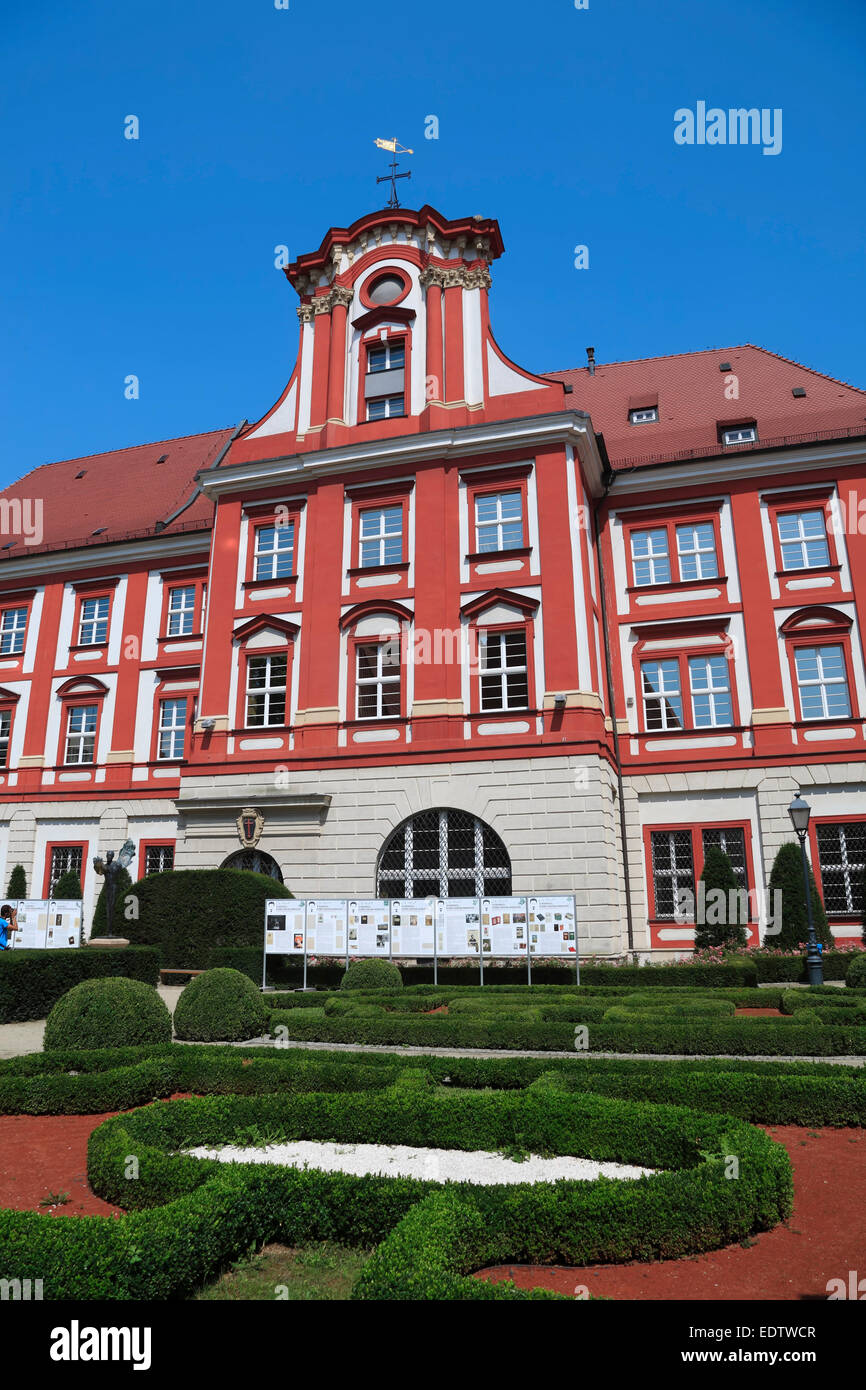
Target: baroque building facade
point(438, 624)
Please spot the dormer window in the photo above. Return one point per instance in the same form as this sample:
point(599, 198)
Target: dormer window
point(647, 416)
point(385, 380)
point(740, 434)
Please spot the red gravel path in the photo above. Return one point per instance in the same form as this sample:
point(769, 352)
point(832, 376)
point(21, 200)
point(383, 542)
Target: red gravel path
point(824, 1239)
point(41, 1155)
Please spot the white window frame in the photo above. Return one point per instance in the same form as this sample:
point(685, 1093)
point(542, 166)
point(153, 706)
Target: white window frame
point(95, 613)
point(648, 415)
point(801, 540)
point(741, 434)
point(495, 643)
point(695, 551)
point(268, 559)
point(496, 524)
point(652, 558)
point(181, 615)
point(711, 692)
point(663, 695)
point(379, 681)
point(822, 681)
point(372, 531)
point(81, 740)
point(5, 736)
point(171, 726)
point(389, 406)
point(12, 633)
point(269, 690)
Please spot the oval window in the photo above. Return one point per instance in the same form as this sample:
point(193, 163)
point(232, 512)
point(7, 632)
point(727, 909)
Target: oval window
point(385, 289)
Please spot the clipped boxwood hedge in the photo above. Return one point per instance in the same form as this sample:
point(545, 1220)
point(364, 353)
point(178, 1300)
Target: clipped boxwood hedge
point(190, 913)
point(188, 1218)
point(108, 1013)
point(855, 976)
point(372, 974)
point(220, 1006)
point(31, 981)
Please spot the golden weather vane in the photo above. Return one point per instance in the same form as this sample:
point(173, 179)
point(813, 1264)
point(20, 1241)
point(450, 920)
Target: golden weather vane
point(395, 148)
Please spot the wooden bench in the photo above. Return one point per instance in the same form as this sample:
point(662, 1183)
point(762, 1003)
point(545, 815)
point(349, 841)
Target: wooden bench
point(165, 971)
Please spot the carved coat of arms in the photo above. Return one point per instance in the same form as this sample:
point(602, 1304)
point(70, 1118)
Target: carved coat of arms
point(250, 825)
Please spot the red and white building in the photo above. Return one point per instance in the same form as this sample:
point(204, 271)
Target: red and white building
point(450, 625)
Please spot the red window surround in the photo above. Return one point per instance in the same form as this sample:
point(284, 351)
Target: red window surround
point(102, 588)
point(370, 499)
point(175, 676)
point(79, 690)
point(815, 501)
point(674, 652)
point(348, 624)
point(145, 846)
point(273, 514)
point(8, 703)
point(196, 579)
point(22, 598)
point(476, 609)
point(393, 336)
point(853, 922)
point(62, 844)
point(696, 833)
point(820, 627)
point(284, 645)
point(668, 521)
point(489, 482)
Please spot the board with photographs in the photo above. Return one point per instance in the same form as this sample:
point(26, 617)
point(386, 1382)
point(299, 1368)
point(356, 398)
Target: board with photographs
point(326, 926)
point(504, 927)
point(285, 926)
point(369, 927)
point(412, 926)
point(458, 927)
point(552, 925)
point(47, 924)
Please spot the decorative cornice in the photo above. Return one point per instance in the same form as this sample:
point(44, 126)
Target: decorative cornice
point(447, 277)
point(324, 303)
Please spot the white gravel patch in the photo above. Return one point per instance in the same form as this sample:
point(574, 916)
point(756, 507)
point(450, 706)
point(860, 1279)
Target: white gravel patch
point(439, 1165)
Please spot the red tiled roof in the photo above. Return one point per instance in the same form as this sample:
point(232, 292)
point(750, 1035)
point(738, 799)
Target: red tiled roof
point(692, 403)
point(127, 491)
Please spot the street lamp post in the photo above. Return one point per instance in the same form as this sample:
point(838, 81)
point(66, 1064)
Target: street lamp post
point(800, 811)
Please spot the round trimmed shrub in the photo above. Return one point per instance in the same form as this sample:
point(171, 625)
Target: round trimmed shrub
point(372, 974)
point(220, 1006)
point(112, 1012)
point(855, 976)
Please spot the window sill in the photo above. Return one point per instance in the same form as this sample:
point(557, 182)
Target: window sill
point(401, 565)
point(519, 552)
point(269, 583)
point(89, 646)
point(676, 586)
point(181, 637)
point(816, 572)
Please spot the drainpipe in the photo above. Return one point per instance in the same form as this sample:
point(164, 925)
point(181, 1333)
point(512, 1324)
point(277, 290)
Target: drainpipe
point(162, 525)
point(608, 479)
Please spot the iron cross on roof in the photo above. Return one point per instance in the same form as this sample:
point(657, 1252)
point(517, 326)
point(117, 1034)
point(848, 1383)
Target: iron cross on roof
point(396, 148)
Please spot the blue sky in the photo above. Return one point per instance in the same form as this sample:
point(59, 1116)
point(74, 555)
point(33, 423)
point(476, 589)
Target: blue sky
point(156, 256)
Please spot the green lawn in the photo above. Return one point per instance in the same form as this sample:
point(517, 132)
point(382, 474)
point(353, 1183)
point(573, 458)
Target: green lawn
point(312, 1274)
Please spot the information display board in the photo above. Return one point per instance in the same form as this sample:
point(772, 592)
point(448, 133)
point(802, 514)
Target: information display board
point(285, 926)
point(412, 926)
point(552, 925)
point(326, 926)
point(47, 924)
point(458, 927)
point(504, 927)
point(369, 926)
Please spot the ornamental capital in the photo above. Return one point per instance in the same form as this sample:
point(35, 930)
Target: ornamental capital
point(446, 277)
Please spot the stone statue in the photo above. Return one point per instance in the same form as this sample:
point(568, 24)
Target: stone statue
point(109, 868)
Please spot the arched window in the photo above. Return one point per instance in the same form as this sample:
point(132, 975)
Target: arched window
point(254, 861)
point(443, 854)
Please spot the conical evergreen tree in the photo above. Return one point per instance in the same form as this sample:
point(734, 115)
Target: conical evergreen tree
point(100, 916)
point(787, 878)
point(68, 886)
point(17, 883)
point(722, 925)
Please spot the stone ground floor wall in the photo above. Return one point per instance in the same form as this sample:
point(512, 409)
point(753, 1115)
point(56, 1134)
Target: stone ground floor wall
point(756, 797)
point(557, 817)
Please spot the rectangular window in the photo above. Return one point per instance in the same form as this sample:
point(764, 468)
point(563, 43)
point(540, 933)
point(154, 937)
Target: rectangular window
point(5, 732)
point(643, 417)
point(266, 690)
point(93, 630)
point(385, 384)
point(743, 434)
point(13, 624)
point(378, 680)
point(81, 734)
point(842, 860)
point(172, 729)
point(386, 358)
point(696, 551)
point(731, 840)
point(503, 673)
point(385, 407)
point(158, 859)
point(662, 697)
point(822, 682)
point(181, 610)
point(711, 692)
point(275, 551)
point(803, 540)
point(650, 558)
point(673, 869)
point(381, 537)
point(499, 521)
point(65, 859)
